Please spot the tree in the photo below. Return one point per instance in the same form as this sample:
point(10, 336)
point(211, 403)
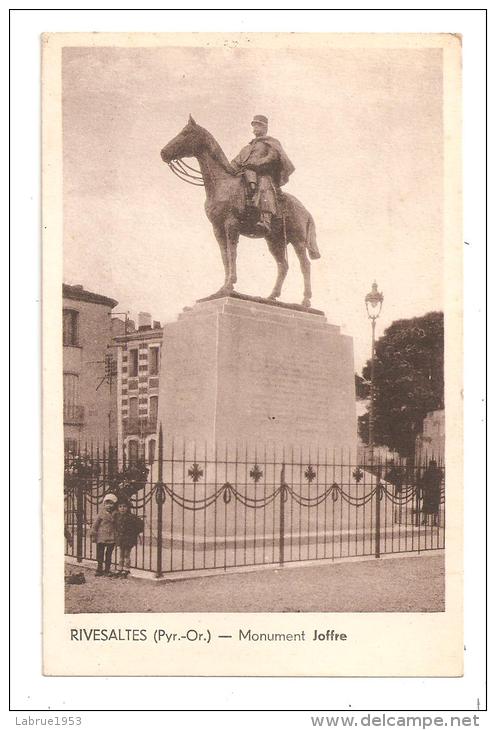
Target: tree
point(408, 381)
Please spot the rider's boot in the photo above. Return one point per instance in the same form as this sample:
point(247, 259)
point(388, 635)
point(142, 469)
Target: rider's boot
point(252, 189)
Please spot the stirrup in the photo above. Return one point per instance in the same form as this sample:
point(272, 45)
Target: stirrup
point(265, 227)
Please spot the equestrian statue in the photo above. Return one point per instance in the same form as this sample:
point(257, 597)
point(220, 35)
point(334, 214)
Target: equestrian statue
point(244, 197)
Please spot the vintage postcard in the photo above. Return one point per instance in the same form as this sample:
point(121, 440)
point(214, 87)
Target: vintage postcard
point(252, 346)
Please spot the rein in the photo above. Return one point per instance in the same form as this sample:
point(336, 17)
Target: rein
point(183, 172)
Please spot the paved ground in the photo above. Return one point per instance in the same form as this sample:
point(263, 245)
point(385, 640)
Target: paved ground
point(413, 583)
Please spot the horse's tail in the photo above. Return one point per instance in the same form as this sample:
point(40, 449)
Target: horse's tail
point(311, 239)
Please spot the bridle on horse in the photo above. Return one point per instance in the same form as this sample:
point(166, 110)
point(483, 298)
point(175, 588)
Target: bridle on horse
point(183, 172)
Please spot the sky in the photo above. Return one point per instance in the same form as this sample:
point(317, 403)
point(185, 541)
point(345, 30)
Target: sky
point(362, 126)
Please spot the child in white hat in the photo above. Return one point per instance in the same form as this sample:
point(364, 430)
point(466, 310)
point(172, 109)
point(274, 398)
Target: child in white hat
point(103, 533)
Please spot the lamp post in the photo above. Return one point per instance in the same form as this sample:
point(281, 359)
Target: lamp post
point(373, 300)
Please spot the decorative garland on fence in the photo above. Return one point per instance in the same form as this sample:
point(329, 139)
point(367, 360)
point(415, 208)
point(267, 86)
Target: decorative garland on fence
point(229, 492)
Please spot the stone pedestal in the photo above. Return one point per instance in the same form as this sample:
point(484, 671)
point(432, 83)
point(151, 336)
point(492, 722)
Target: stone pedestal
point(252, 373)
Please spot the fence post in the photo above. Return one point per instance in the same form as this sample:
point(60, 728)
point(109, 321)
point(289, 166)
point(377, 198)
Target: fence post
point(282, 499)
point(417, 475)
point(160, 499)
point(79, 519)
point(378, 493)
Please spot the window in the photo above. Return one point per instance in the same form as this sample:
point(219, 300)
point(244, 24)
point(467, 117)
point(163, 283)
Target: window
point(151, 451)
point(70, 390)
point(132, 450)
point(71, 327)
point(154, 361)
point(133, 363)
point(73, 412)
point(133, 408)
point(153, 408)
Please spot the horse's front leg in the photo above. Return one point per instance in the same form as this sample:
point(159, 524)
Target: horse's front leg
point(231, 227)
point(221, 240)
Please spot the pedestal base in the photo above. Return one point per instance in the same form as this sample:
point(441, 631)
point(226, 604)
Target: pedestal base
point(251, 373)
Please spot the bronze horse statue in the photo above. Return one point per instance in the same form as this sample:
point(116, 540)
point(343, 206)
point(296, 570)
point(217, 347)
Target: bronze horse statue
point(230, 215)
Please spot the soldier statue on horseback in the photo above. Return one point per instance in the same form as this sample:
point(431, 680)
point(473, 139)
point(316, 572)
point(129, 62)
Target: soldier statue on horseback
point(243, 198)
point(265, 167)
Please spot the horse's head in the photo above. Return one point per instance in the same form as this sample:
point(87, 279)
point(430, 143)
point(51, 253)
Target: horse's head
point(187, 143)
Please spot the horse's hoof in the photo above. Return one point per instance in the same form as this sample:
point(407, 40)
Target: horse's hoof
point(224, 291)
point(306, 303)
point(273, 297)
point(219, 293)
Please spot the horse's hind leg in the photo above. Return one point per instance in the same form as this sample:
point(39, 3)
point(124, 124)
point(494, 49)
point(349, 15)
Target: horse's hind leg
point(301, 252)
point(278, 251)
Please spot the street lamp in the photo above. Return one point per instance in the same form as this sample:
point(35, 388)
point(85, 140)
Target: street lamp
point(373, 300)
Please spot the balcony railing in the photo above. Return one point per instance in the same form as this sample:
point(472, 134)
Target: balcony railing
point(73, 415)
point(139, 426)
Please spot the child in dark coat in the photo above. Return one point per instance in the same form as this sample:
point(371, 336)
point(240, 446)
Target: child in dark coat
point(103, 533)
point(127, 528)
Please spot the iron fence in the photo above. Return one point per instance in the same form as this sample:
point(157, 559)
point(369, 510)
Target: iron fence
point(224, 508)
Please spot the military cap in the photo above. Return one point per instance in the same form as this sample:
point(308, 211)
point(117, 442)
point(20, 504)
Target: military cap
point(260, 119)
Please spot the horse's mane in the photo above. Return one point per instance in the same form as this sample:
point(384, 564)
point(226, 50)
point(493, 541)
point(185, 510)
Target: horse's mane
point(216, 151)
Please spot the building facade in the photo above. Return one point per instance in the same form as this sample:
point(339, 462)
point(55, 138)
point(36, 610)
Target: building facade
point(138, 371)
point(90, 403)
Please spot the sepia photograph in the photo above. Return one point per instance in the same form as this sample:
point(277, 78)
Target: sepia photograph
point(256, 241)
